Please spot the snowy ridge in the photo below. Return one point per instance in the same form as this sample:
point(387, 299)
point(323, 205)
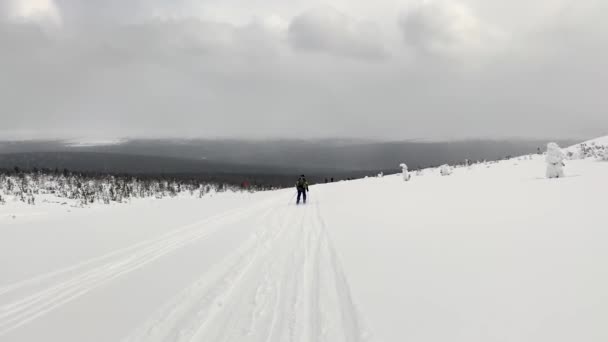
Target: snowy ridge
point(594, 148)
point(597, 141)
point(601, 141)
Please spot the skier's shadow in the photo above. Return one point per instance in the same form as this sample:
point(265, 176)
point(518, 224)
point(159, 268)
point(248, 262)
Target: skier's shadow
point(301, 204)
point(545, 178)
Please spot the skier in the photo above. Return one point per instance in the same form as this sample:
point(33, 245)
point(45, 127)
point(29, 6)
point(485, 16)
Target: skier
point(302, 187)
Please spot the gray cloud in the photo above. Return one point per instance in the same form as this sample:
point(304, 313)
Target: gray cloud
point(327, 30)
point(5, 9)
point(135, 74)
point(445, 27)
point(112, 81)
point(114, 12)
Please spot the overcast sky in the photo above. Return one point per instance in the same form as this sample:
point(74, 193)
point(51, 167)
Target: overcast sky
point(382, 69)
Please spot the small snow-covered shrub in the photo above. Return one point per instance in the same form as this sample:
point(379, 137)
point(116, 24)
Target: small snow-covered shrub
point(555, 161)
point(445, 170)
point(605, 156)
point(404, 172)
point(381, 174)
point(584, 151)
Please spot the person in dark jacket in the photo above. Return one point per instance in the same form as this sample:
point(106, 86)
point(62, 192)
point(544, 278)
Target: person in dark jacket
point(302, 187)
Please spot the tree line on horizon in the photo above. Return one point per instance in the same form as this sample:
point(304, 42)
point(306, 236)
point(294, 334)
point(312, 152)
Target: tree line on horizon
point(85, 188)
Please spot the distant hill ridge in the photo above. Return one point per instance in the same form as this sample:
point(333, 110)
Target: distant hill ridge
point(281, 156)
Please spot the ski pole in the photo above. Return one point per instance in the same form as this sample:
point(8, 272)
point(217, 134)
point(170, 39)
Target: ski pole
point(291, 199)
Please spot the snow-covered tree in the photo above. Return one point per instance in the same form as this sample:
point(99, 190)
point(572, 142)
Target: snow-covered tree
point(555, 161)
point(445, 170)
point(404, 172)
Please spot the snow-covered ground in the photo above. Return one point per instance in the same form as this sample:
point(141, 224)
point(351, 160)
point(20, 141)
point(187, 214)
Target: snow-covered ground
point(493, 252)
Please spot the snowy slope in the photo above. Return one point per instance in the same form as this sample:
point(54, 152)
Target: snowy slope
point(492, 252)
point(598, 141)
point(488, 254)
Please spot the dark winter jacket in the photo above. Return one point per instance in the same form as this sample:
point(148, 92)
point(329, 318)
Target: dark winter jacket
point(302, 184)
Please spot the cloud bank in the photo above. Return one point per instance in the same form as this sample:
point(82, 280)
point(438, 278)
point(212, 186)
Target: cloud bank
point(423, 69)
point(328, 30)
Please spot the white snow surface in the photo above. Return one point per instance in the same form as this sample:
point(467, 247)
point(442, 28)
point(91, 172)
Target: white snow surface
point(495, 252)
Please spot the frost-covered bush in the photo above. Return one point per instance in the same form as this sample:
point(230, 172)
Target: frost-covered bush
point(381, 174)
point(581, 151)
point(555, 161)
point(445, 170)
point(591, 150)
point(404, 172)
point(605, 156)
point(85, 189)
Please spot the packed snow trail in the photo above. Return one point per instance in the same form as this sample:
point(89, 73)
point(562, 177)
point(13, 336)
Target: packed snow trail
point(283, 284)
point(32, 306)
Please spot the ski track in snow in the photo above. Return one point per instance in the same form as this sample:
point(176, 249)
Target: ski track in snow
point(91, 274)
point(285, 283)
